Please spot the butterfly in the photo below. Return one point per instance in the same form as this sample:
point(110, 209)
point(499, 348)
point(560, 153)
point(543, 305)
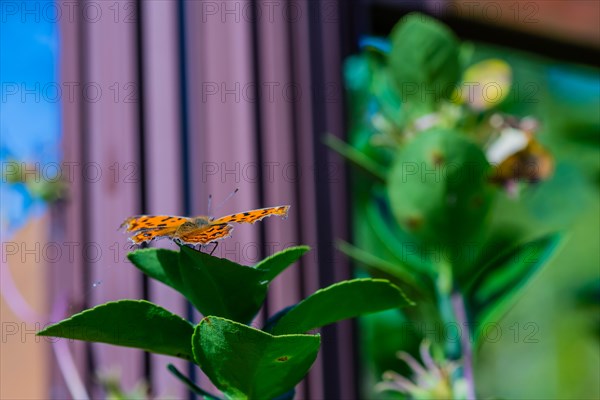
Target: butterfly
point(200, 230)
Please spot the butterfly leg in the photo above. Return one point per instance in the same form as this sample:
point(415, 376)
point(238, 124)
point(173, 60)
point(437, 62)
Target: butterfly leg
point(214, 248)
point(180, 242)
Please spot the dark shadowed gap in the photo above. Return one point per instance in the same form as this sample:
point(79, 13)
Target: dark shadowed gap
point(83, 55)
point(354, 19)
point(139, 36)
point(185, 140)
point(258, 137)
point(350, 26)
point(184, 134)
point(324, 232)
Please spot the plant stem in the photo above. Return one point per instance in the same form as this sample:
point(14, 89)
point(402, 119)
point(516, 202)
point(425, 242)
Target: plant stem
point(446, 310)
point(191, 385)
point(453, 313)
point(460, 314)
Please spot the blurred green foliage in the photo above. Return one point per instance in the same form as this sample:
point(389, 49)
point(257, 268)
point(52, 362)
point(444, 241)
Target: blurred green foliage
point(39, 186)
point(408, 227)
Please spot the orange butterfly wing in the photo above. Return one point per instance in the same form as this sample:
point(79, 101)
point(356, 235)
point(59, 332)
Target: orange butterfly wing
point(147, 235)
point(151, 227)
point(205, 234)
point(252, 216)
point(141, 222)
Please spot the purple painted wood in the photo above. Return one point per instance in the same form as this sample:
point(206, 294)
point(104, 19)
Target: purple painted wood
point(306, 160)
point(163, 155)
point(113, 170)
point(222, 148)
point(66, 225)
point(280, 173)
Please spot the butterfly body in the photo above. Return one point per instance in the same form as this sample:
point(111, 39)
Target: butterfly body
point(196, 230)
point(201, 220)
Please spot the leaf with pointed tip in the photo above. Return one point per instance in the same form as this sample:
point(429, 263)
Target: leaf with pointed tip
point(343, 300)
point(398, 270)
point(246, 363)
point(217, 286)
point(494, 289)
point(129, 323)
point(278, 262)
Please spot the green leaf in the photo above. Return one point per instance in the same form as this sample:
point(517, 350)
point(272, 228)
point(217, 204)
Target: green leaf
point(424, 58)
point(398, 270)
point(495, 288)
point(278, 262)
point(217, 286)
point(129, 323)
point(159, 264)
point(246, 363)
point(343, 300)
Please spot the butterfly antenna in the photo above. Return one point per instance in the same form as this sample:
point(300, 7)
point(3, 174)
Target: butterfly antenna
point(209, 204)
point(226, 198)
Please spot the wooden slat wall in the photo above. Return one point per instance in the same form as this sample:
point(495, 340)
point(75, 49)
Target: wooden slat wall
point(256, 99)
point(221, 125)
point(111, 143)
point(284, 176)
point(302, 75)
point(162, 153)
point(67, 277)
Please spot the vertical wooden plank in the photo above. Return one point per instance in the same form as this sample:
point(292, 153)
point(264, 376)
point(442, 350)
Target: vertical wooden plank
point(227, 115)
point(163, 155)
point(302, 77)
point(112, 167)
point(280, 173)
point(67, 277)
point(223, 140)
point(222, 146)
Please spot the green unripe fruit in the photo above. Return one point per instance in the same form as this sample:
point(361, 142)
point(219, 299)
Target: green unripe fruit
point(438, 188)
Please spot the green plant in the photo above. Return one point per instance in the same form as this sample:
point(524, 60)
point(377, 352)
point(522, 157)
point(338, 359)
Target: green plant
point(435, 150)
point(242, 361)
